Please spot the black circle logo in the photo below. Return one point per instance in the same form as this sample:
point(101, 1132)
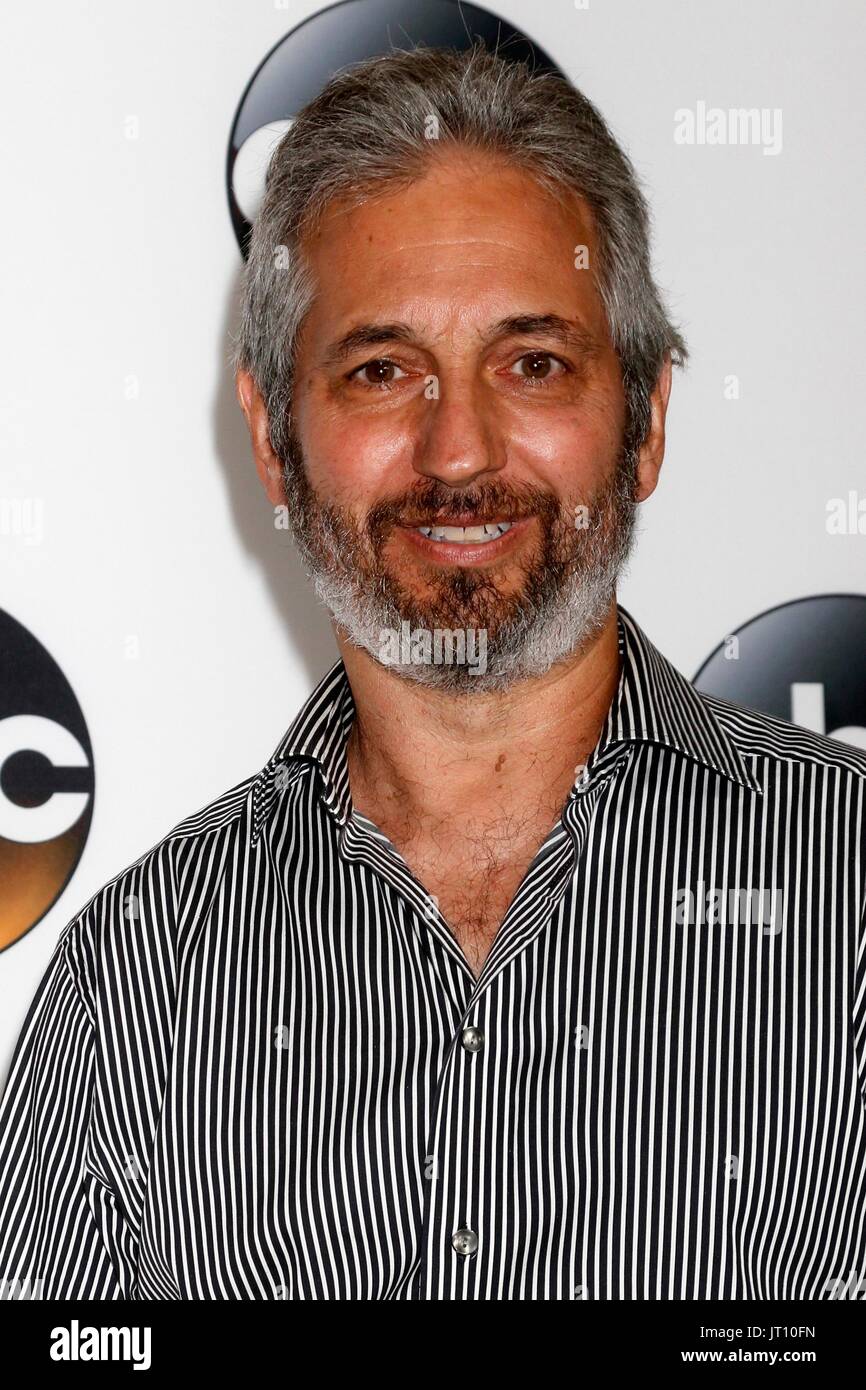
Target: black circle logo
point(804, 661)
point(46, 781)
point(303, 62)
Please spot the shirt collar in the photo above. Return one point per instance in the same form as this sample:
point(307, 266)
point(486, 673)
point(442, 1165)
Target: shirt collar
point(654, 703)
point(316, 737)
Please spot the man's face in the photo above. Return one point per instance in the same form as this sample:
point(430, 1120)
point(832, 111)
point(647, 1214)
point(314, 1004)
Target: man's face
point(456, 371)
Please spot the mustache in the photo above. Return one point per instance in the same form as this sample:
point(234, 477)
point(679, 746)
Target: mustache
point(434, 504)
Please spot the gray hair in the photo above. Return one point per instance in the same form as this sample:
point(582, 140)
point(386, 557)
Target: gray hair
point(370, 128)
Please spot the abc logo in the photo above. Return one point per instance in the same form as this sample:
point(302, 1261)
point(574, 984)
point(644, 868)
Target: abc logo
point(46, 781)
point(804, 661)
point(304, 61)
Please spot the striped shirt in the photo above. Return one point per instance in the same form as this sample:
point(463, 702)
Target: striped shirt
point(259, 1066)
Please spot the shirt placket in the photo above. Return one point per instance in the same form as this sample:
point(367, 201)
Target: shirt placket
point(453, 1245)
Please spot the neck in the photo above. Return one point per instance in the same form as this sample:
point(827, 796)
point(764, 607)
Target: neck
point(430, 756)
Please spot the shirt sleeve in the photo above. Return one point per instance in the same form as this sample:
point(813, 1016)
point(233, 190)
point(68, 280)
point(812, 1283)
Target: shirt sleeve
point(61, 1232)
point(860, 1003)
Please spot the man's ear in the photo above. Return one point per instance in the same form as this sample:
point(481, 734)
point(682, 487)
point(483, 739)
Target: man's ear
point(268, 466)
point(652, 451)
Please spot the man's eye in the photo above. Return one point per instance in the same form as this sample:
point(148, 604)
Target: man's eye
point(380, 372)
point(538, 367)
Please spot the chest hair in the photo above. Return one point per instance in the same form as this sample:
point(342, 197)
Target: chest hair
point(473, 868)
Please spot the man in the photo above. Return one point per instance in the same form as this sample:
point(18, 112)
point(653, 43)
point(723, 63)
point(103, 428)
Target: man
point(521, 969)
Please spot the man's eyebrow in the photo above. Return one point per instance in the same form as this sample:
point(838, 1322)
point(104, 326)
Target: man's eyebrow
point(550, 326)
point(366, 335)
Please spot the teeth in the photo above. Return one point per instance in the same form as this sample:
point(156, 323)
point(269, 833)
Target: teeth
point(466, 535)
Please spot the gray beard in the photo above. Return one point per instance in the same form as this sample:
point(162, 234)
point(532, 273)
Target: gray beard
point(564, 601)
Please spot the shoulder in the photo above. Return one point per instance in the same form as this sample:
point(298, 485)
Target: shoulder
point(133, 925)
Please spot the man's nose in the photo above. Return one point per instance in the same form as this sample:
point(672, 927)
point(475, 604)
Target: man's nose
point(458, 442)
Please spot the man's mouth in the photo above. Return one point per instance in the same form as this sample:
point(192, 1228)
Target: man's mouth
point(482, 534)
point(474, 543)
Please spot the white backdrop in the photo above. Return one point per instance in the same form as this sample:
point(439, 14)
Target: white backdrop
point(178, 614)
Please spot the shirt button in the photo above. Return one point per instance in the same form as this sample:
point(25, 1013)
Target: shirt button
point(472, 1039)
point(465, 1242)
